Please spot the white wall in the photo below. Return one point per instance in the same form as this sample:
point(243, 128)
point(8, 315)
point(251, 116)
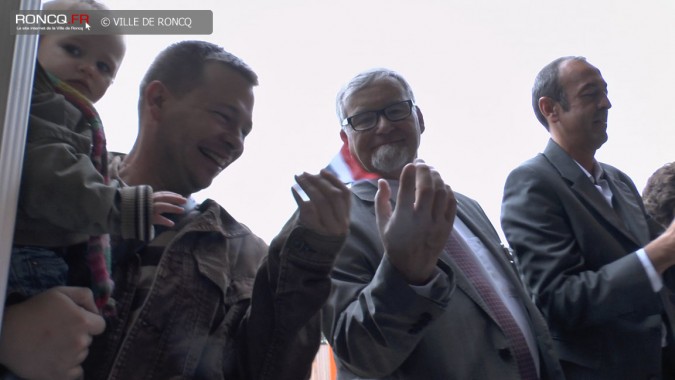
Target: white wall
point(470, 62)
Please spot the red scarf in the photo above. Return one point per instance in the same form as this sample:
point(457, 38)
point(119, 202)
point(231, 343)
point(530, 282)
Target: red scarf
point(98, 247)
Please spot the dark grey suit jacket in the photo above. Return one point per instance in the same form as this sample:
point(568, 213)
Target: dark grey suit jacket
point(379, 327)
point(575, 253)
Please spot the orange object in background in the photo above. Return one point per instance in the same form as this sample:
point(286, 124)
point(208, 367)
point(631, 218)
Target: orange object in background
point(323, 367)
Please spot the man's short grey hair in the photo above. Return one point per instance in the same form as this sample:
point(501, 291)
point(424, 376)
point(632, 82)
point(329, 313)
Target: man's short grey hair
point(361, 81)
point(547, 83)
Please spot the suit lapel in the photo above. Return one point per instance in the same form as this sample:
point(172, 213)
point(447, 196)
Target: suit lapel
point(465, 285)
point(581, 185)
point(627, 208)
point(475, 224)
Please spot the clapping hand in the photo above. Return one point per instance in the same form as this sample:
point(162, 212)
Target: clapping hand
point(326, 211)
point(416, 231)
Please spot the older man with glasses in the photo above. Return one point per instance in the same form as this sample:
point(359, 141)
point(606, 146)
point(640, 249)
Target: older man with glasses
point(423, 288)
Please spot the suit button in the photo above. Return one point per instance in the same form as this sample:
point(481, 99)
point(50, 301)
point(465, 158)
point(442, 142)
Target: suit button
point(505, 354)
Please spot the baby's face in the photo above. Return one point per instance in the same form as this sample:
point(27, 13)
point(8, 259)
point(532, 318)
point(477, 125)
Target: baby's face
point(87, 63)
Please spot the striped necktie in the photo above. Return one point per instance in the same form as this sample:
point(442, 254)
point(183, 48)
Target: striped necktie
point(471, 268)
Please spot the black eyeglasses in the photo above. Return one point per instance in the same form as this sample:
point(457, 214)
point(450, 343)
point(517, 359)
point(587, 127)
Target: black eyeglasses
point(367, 120)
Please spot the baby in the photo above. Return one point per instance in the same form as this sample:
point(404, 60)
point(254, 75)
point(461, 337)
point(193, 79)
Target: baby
point(67, 204)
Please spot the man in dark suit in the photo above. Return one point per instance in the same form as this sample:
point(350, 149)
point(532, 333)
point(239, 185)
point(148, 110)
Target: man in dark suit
point(584, 242)
point(402, 306)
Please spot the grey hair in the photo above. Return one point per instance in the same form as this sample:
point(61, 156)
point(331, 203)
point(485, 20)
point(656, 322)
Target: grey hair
point(362, 80)
point(547, 83)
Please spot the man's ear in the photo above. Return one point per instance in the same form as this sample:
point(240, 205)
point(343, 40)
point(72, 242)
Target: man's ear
point(343, 136)
point(420, 117)
point(549, 108)
point(154, 98)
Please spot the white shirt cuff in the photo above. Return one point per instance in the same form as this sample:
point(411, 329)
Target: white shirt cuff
point(425, 290)
point(652, 274)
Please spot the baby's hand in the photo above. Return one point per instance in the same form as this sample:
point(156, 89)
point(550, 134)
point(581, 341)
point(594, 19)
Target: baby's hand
point(166, 202)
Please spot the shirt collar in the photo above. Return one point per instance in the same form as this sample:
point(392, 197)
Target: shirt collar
point(598, 172)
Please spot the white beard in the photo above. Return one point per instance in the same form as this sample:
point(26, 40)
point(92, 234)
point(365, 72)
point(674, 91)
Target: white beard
point(389, 158)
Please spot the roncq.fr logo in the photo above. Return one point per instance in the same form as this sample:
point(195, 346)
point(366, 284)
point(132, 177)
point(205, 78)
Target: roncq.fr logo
point(53, 19)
